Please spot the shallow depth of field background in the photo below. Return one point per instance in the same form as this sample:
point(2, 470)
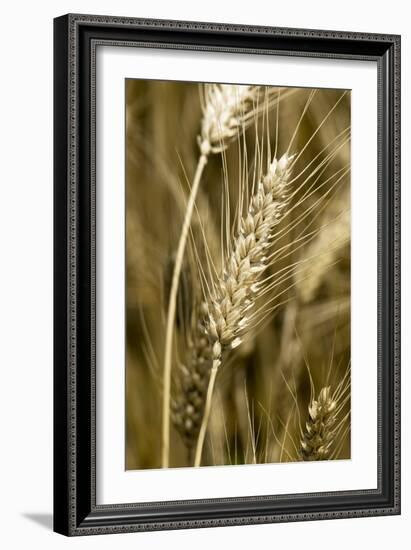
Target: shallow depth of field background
point(263, 393)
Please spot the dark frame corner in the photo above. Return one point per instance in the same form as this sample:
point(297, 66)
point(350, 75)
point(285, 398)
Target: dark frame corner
point(75, 509)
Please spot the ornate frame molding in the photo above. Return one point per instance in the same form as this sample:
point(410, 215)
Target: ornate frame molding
point(76, 40)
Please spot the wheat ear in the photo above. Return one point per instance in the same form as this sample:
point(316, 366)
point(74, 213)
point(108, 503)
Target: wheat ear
point(229, 307)
point(187, 406)
point(318, 436)
point(226, 111)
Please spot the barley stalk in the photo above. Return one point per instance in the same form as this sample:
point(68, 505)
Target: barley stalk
point(229, 307)
point(318, 436)
point(226, 111)
point(171, 312)
point(230, 304)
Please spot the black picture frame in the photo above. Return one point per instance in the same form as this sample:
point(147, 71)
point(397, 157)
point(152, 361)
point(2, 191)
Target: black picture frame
point(75, 40)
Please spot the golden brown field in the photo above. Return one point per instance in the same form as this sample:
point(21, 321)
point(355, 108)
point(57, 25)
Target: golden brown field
point(252, 365)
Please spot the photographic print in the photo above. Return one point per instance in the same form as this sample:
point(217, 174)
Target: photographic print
point(226, 274)
point(237, 274)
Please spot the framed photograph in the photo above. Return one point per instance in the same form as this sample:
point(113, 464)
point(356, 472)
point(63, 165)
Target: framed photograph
point(227, 277)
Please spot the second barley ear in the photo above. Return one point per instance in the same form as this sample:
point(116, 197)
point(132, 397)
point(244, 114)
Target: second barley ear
point(318, 437)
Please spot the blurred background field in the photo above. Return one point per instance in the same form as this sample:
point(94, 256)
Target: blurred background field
point(262, 398)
